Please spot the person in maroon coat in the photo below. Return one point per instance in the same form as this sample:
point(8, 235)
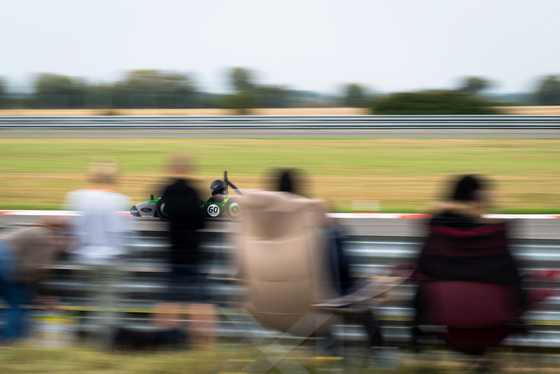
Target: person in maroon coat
point(463, 245)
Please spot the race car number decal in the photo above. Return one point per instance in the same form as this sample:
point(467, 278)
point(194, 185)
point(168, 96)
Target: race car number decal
point(213, 210)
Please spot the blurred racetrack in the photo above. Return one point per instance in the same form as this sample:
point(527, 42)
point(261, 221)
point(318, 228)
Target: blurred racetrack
point(526, 226)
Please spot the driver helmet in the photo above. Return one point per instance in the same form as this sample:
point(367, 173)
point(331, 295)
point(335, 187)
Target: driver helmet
point(217, 187)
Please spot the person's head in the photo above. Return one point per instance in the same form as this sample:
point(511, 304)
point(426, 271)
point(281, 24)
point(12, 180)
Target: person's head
point(288, 180)
point(180, 165)
point(469, 188)
point(103, 172)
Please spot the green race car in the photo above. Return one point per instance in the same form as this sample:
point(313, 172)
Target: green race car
point(218, 206)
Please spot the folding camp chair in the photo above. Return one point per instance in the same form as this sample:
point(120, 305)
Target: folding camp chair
point(471, 316)
point(283, 264)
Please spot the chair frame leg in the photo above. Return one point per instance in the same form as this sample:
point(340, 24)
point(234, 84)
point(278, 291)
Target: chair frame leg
point(274, 352)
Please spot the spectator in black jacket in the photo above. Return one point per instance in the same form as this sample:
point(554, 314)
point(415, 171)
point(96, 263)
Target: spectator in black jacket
point(187, 281)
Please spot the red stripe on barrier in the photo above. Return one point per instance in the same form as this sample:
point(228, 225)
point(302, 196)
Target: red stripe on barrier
point(413, 216)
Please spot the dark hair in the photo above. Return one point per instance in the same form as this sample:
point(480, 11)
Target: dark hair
point(465, 187)
point(287, 180)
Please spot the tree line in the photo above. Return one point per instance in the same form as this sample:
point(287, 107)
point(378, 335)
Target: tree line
point(142, 89)
point(168, 89)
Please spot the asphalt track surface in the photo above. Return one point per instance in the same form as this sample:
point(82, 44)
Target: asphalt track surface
point(276, 134)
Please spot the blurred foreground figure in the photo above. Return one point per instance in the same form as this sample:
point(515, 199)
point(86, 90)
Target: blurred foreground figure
point(289, 180)
point(463, 245)
point(24, 253)
point(102, 237)
point(342, 281)
point(284, 261)
point(281, 261)
point(186, 282)
point(472, 283)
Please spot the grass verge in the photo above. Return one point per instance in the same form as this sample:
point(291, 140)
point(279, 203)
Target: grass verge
point(404, 175)
point(32, 360)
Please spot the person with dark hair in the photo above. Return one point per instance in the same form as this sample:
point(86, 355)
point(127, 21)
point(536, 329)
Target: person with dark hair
point(291, 181)
point(468, 199)
point(467, 187)
point(463, 245)
point(288, 181)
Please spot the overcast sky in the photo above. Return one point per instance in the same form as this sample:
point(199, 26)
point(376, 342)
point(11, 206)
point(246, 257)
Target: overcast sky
point(389, 45)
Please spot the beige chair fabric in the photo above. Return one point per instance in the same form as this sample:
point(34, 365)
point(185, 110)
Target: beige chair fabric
point(282, 258)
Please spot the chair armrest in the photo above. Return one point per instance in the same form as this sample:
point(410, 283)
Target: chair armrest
point(228, 276)
point(363, 291)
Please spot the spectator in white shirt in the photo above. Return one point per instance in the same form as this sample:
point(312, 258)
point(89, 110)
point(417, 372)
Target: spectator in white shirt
point(102, 234)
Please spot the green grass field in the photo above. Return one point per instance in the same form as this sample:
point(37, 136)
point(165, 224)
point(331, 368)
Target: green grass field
point(403, 174)
point(32, 360)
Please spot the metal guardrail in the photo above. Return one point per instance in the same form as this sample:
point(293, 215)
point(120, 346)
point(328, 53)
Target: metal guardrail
point(278, 123)
point(371, 255)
